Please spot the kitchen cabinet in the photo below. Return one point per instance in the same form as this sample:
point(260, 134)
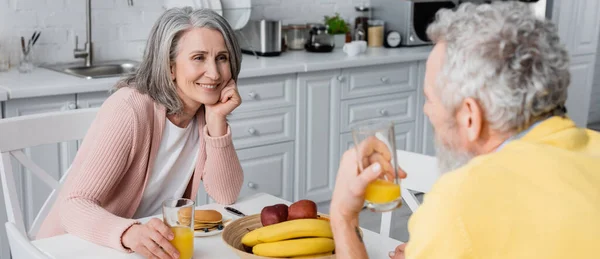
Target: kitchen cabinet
point(257, 128)
point(267, 92)
point(91, 100)
point(317, 135)
point(579, 27)
point(268, 169)
point(405, 138)
point(579, 92)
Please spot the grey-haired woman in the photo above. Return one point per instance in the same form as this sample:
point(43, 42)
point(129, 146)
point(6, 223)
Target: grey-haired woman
point(158, 136)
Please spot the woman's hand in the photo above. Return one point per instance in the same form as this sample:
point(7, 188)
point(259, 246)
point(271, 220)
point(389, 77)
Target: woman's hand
point(151, 240)
point(216, 113)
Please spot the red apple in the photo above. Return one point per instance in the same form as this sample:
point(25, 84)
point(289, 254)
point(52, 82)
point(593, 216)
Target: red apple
point(273, 214)
point(302, 209)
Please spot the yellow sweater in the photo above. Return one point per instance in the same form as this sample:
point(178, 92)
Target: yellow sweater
point(537, 197)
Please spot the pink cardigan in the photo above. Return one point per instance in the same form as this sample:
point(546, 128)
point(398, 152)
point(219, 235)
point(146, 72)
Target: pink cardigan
point(108, 176)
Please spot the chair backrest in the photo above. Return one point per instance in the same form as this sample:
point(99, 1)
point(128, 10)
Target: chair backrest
point(422, 172)
point(21, 248)
point(29, 131)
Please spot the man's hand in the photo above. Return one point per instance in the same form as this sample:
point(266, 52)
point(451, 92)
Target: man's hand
point(399, 252)
point(350, 186)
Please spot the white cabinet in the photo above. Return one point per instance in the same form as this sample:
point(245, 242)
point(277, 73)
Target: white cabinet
point(317, 135)
point(578, 25)
point(91, 100)
point(405, 138)
point(259, 93)
point(582, 76)
point(268, 169)
point(262, 127)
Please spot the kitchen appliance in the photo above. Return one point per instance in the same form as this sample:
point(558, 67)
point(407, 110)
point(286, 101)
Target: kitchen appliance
point(409, 18)
point(260, 37)
point(296, 36)
point(319, 40)
point(361, 22)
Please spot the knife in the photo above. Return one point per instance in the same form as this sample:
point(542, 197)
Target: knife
point(235, 212)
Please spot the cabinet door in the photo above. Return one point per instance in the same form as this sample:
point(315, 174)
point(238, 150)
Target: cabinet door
point(53, 158)
point(317, 135)
point(425, 135)
point(268, 169)
point(405, 138)
point(578, 24)
point(91, 100)
point(579, 92)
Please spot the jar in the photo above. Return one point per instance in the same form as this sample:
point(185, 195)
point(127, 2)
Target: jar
point(296, 36)
point(375, 33)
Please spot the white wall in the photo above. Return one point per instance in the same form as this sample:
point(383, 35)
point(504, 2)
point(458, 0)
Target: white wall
point(119, 31)
point(594, 116)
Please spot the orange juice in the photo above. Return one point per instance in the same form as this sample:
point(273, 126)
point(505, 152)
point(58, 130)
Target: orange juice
point(183, 241)
point(382, 191)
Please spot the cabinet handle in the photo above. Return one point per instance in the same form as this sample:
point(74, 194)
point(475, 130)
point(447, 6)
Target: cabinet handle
point(252, 95)
point(340, 78)
point(383, 112)
point(251, 131)
point(384, 79)
point(72, 106)
point(251, 185)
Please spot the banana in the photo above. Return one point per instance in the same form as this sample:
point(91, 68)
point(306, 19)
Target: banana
point(287, 230)
point(295, 247)
point(312, 255)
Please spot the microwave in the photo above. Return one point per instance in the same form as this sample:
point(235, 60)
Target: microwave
point(411, 18)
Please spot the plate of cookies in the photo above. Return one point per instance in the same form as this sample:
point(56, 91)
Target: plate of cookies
point(209, 222)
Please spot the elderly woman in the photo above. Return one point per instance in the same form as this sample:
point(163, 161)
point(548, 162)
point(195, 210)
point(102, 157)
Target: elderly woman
point(521, 179)
point(158, 136)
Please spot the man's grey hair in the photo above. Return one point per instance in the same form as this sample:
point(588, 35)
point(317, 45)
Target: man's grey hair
point(506, 58)
point(154, 74)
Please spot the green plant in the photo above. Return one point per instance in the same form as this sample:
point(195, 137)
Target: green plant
point(336, 24)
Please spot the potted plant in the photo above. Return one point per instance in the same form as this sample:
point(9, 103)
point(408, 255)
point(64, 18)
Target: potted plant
point(338, 28)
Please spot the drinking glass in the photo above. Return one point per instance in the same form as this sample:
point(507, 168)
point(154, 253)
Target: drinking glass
point(382, 194)
point(178, 214)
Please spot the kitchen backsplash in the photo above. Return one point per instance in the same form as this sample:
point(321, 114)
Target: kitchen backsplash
point(119, 31)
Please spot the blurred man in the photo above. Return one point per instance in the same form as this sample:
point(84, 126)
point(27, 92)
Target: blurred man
point(522, 180)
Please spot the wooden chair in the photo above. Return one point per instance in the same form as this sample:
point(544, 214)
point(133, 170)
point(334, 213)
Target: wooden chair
point(25, 132)
point(422, 172)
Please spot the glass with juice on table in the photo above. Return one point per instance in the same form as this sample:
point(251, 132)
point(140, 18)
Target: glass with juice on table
point(383, 194)
point(178, 214)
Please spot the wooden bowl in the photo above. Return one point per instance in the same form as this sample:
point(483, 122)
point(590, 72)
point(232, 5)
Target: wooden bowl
point(234, 231)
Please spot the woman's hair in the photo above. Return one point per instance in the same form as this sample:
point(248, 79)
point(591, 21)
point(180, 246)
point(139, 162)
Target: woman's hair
point(153, 76)
point(506, 58)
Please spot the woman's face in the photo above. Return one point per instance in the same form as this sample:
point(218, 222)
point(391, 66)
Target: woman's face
point(201, 68)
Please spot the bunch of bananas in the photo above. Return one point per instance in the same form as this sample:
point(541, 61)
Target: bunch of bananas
point(293, 238)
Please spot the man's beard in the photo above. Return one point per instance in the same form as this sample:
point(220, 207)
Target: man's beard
point(448, 152)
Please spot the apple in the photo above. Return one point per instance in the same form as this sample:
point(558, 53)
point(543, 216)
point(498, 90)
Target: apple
point(302, 209)
point(273, 214)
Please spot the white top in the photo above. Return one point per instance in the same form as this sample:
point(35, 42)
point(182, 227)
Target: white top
point(173, 168)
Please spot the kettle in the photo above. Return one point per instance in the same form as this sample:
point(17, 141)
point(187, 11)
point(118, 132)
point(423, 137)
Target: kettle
point(319, 39)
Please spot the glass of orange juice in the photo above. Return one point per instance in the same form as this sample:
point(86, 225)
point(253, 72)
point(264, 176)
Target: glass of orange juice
point(178, 214)
point(383, 194)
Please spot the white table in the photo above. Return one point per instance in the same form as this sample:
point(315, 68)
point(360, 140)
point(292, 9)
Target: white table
point(69, 246)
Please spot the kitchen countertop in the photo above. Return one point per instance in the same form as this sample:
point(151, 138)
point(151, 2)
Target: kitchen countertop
point(44, 82)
